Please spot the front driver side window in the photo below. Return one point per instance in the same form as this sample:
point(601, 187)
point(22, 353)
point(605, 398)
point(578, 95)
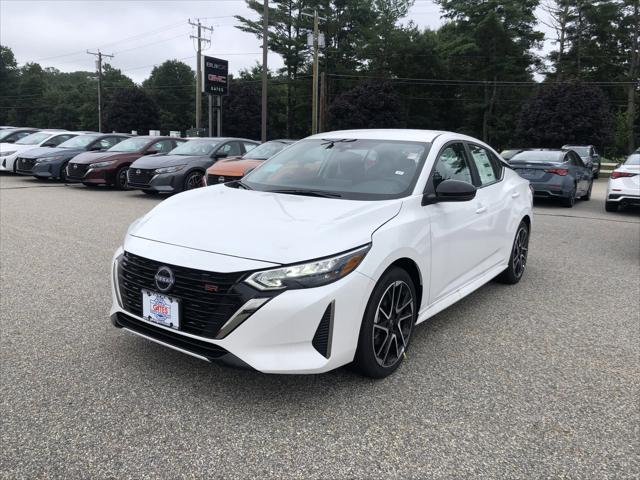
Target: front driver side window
point(232, 149)
point(451, 165)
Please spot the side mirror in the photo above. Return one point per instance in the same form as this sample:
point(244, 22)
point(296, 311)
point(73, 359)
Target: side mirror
point(220, 155)
point(151, 152)
point(48, 144)
point(95, 148)
point(451, 191)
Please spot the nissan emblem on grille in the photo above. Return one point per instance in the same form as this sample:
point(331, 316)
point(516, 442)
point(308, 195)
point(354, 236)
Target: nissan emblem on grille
point(75, 165)
point(164, 279)
point(138, 172)
point(220, 179)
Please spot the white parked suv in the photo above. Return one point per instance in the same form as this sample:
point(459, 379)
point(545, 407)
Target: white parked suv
point(44, 138)
point(624, 184)
point(327, 254)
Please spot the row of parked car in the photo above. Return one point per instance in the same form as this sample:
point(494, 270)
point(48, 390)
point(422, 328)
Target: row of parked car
point(155, 164)
point(152, 164)
point(567, 174)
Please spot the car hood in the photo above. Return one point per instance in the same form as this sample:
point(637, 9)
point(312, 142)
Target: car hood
point(233, 167)
point(162, 160)
point(51, 152)
point(92, 157)
point(270, 227)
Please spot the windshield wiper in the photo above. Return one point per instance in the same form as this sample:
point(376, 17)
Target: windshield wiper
point(240, 183)
point(309, 193)
point(331, 142)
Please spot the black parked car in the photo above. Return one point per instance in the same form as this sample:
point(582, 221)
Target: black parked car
point(52, 162)
point(557, 174)
point(183, 168)
point(589, 156)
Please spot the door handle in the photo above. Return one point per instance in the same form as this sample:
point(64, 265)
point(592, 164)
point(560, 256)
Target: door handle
point(481, 210)
point(515, 195)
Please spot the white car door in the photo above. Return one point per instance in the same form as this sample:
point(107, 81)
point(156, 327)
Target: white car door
point(458, 229)
point(494, 207)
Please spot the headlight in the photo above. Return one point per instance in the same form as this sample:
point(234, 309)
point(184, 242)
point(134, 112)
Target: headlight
point(177, 168)
point(48, 159)
point(6, 154)
point(307, 275)
point(101, 164)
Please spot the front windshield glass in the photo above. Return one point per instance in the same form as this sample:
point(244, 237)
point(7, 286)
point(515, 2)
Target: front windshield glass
point(129, 145)
point(346, 168)
point(33, 139)
point(633, 159)
point(6, 133)
point(542, 156)
point(266, 150)
point(80, 141)
point(195, 147)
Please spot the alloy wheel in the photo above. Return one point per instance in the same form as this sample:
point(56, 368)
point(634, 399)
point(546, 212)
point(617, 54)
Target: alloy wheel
point(393, 323)
point(194, 181)
point(122, 178)
point(520, 251)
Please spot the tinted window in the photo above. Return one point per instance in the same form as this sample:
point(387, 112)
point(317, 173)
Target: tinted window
point(539, 156)
point(451, 165)
point(232, 149)
point(482, 159)
point(249, 146)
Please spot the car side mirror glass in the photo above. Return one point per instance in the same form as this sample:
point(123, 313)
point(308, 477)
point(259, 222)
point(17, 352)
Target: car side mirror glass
point(151, 152)
point(95, 148)
point(220, 155)
point(452, 191)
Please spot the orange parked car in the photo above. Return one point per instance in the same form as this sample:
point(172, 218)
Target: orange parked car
point(234, 168)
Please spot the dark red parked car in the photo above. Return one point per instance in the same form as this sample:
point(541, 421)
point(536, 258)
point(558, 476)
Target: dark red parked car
point(110, 167)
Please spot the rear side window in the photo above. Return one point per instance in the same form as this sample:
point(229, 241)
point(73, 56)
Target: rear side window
point(451, 165)
point(249, 146)
point(109, 142)
point(232, 149)
point(484, 164)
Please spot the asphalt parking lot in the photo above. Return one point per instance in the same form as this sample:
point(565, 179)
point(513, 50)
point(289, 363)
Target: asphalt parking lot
point(539, 380)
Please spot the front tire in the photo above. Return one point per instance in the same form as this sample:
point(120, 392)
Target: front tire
point(120, 181)
point(387, 325)
point(62, 176)
point(518, 257)
point(611, 206)
point(193, 180)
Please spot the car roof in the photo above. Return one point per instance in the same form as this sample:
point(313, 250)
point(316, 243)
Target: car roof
point(157, 137)
point(222, 139)
point(385, 134)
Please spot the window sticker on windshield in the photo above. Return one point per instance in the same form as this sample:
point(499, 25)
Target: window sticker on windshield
point(412, 156)
point(399, 172)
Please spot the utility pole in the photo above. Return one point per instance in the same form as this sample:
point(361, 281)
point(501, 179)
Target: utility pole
point(100, 55)
point(316, 45)
point(265, 35)
point(322, 125)
point(200, 39)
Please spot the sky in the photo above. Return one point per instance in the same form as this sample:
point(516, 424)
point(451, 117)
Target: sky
point(140, 34)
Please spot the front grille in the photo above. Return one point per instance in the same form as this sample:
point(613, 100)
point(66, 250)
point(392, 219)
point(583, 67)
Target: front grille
point(207, 299)
point(199, 347)
point(25, 164)
point(77, 170)
point(139, 176)
point(213, 179)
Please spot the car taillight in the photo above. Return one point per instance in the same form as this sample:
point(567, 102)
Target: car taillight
point(622, 174)
point(558, 171)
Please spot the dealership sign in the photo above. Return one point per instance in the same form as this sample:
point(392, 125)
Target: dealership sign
point(216, 76)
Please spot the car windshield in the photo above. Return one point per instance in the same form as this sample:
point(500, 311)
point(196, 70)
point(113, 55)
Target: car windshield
point(634, 159)
point(343, 168)
point(195, 147)
point(129, 145)
point(80, 141)
point(582, 151)
point(34, 138)
point(541, 156)
point(6, 133)
point(266, 150)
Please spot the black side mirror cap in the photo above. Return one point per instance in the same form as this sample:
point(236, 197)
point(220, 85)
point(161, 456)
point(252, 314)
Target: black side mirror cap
point(220, 155)
point(450, 191)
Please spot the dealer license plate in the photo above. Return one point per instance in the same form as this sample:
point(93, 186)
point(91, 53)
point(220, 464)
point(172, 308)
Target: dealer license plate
point(161, 309)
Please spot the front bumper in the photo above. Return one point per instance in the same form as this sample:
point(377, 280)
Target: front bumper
point(161, 183)
point(46, 170)
point(279, 336)
point(83, 173)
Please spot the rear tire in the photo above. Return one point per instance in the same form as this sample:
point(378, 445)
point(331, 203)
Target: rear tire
point(518, 257)
point(611, 206)
point(387, 325)
point(570, 201)
point(62, 176)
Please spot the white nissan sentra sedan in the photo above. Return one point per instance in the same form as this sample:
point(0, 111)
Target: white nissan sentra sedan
point(327, 254)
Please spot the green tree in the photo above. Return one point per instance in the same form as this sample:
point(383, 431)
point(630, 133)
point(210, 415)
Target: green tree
point(369, 105)
point(172, 86)
point(131, 109)
point(564, 113)
point(9, 78)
